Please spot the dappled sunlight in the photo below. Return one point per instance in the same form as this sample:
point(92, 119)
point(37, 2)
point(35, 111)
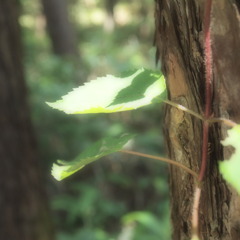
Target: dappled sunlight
point(123, 14)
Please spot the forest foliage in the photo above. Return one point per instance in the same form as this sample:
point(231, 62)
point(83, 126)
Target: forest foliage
point(109, 199)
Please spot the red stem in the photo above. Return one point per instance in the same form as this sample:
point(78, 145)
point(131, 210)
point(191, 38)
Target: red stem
point(204, 151)
point(207, 113)
point(208, 88)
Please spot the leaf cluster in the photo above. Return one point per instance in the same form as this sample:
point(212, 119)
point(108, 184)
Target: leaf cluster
point(113, 94)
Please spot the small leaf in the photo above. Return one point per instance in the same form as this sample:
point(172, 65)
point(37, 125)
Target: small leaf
point(230, 169)
point(99, 149)
point(113, 94)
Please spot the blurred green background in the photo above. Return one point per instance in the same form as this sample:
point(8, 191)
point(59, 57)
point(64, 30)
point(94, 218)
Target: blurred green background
point(120, 197)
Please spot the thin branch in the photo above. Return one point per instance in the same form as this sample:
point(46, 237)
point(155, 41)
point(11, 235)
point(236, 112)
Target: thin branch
point(227, 122)
point(163, 160)
point(181, 107)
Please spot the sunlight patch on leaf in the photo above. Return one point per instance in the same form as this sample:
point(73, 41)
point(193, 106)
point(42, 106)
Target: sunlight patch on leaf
point(113, 94)
point(230, 169)
point(63, 169)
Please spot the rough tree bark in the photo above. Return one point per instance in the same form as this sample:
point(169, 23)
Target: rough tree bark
point(59, 27)
point(24, 213)
point(179, 41)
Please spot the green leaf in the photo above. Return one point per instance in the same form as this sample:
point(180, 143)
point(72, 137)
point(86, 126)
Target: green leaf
point(113, 94)
point(230, 169)
point(99, 149)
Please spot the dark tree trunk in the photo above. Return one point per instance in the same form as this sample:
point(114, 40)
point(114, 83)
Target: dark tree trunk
point(24, 213)
point(60, 29)
point(179, 41)
point(109, 23)
point(110, 4)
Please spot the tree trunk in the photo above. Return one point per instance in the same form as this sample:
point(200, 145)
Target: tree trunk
point(24, 213)
point(109, 23)
point(60, 29)
point(179, 41)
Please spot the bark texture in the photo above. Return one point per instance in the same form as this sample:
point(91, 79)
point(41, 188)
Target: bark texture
point(59, 27)
point(179, 41)
point(24, 213)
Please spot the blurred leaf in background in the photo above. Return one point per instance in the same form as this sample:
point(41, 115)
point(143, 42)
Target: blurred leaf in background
point(91, 204)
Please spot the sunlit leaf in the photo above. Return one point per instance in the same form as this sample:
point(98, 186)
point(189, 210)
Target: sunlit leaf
point(113, 94)
point(99, 149)
point(230, 169)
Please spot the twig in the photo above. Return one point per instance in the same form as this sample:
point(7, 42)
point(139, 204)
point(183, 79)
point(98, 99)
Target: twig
point(227, 122)
point(181, 107)
point(163, 160)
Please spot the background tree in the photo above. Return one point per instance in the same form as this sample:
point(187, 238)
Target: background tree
point(179, 40)
point(24, 213)
point(60, 30)
point(109, 23)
